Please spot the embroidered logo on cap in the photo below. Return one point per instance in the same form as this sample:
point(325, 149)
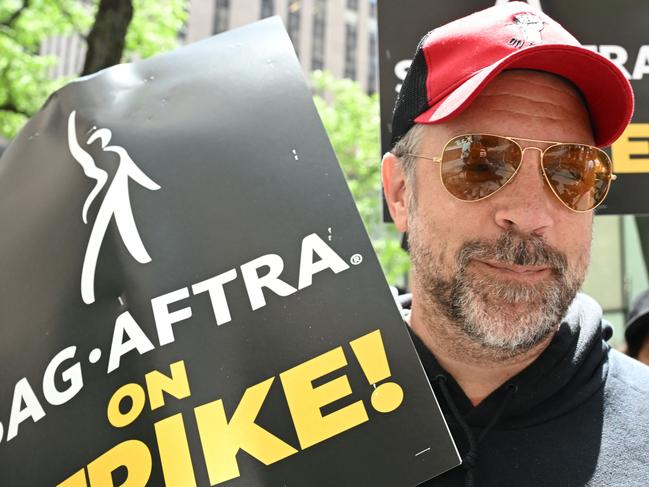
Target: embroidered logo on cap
point(530, 27)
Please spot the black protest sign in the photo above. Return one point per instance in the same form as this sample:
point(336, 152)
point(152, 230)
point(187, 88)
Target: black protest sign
point(616, 30)
point(187, 295)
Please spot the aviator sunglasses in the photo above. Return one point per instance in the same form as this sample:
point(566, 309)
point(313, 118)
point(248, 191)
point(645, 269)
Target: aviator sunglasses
point(476, 166)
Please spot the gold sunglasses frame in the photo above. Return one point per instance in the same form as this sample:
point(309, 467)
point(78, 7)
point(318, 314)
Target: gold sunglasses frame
point(542, 152)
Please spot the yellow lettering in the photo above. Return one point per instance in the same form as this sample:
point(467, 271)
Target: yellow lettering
point(132, 454)
point(115, 416)
point(624, 148)
point(177, 385)
point(221, 440)
point(174, 452)
point(305, 401)
point(77, 480)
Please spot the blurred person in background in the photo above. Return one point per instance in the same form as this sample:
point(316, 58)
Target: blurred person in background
point(637, 325)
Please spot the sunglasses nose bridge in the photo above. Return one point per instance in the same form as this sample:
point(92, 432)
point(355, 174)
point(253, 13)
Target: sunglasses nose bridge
point(540, 151)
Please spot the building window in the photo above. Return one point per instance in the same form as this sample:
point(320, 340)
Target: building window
point(373, 67)
point(293, 27)
point(221, 16)
point(372, 9)
point(351, 36)
point(318, 45)
point(352, 5)
point(267, 8)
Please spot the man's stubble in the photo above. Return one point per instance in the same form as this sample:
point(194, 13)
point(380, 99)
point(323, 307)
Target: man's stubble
point(486, 311)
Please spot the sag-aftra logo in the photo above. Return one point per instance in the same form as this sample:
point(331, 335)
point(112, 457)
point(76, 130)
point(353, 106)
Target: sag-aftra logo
point(116, 203)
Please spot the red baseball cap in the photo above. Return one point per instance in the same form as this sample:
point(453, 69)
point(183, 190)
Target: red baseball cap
point(454, 63)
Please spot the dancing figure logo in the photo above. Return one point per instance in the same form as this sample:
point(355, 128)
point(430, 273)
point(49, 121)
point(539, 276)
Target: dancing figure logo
point(116, 202)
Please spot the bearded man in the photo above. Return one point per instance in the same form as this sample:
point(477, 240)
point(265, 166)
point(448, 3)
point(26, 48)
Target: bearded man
point(495, 172)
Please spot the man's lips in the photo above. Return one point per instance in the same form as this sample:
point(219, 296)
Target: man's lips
point(515, 271)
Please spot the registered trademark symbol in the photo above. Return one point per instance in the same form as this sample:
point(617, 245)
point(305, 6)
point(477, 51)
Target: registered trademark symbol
point(356, 259)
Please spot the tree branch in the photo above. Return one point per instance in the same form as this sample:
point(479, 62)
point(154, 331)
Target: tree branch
point(14, 16)
point(107, 37)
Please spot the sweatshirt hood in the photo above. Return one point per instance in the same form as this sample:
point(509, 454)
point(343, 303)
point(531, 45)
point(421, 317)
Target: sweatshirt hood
point(569, 371)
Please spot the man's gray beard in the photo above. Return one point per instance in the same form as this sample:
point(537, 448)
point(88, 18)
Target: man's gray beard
point(480, 306)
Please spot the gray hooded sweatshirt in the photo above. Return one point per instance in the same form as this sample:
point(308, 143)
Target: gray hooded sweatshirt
point(577, 416)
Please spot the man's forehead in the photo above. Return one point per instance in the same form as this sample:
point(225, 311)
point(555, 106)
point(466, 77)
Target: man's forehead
point(515, 99)
point(531, 85)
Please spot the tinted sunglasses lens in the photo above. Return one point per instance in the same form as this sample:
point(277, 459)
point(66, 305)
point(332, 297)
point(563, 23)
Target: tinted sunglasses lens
point(475, 166)
point(579, 174)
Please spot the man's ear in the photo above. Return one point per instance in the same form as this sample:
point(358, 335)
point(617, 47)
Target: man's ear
point(396, 190)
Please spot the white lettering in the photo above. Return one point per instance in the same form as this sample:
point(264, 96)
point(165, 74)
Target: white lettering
point(401, 70)
point(137, 340)
point(313, 244)
point(164, 318)
point(23, 393)
point(255, 283)
point(641, 63)
point(214, 286)
point(72, 375)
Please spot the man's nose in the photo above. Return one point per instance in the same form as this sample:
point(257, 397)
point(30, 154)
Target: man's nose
point(527, 204)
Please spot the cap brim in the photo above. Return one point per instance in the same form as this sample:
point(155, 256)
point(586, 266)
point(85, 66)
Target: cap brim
point(607, 92)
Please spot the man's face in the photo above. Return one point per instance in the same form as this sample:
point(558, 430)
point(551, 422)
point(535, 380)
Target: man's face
point(503, 270)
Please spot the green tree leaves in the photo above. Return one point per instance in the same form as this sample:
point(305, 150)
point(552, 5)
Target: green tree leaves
point(351, 119)
point(25, 81)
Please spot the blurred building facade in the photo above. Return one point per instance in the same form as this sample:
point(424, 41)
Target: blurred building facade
point(618, 271)
point(70, 51)
point(335, 35)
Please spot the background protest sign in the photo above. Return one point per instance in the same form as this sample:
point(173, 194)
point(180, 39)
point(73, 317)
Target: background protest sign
point(616, 30)
point(187, 295)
